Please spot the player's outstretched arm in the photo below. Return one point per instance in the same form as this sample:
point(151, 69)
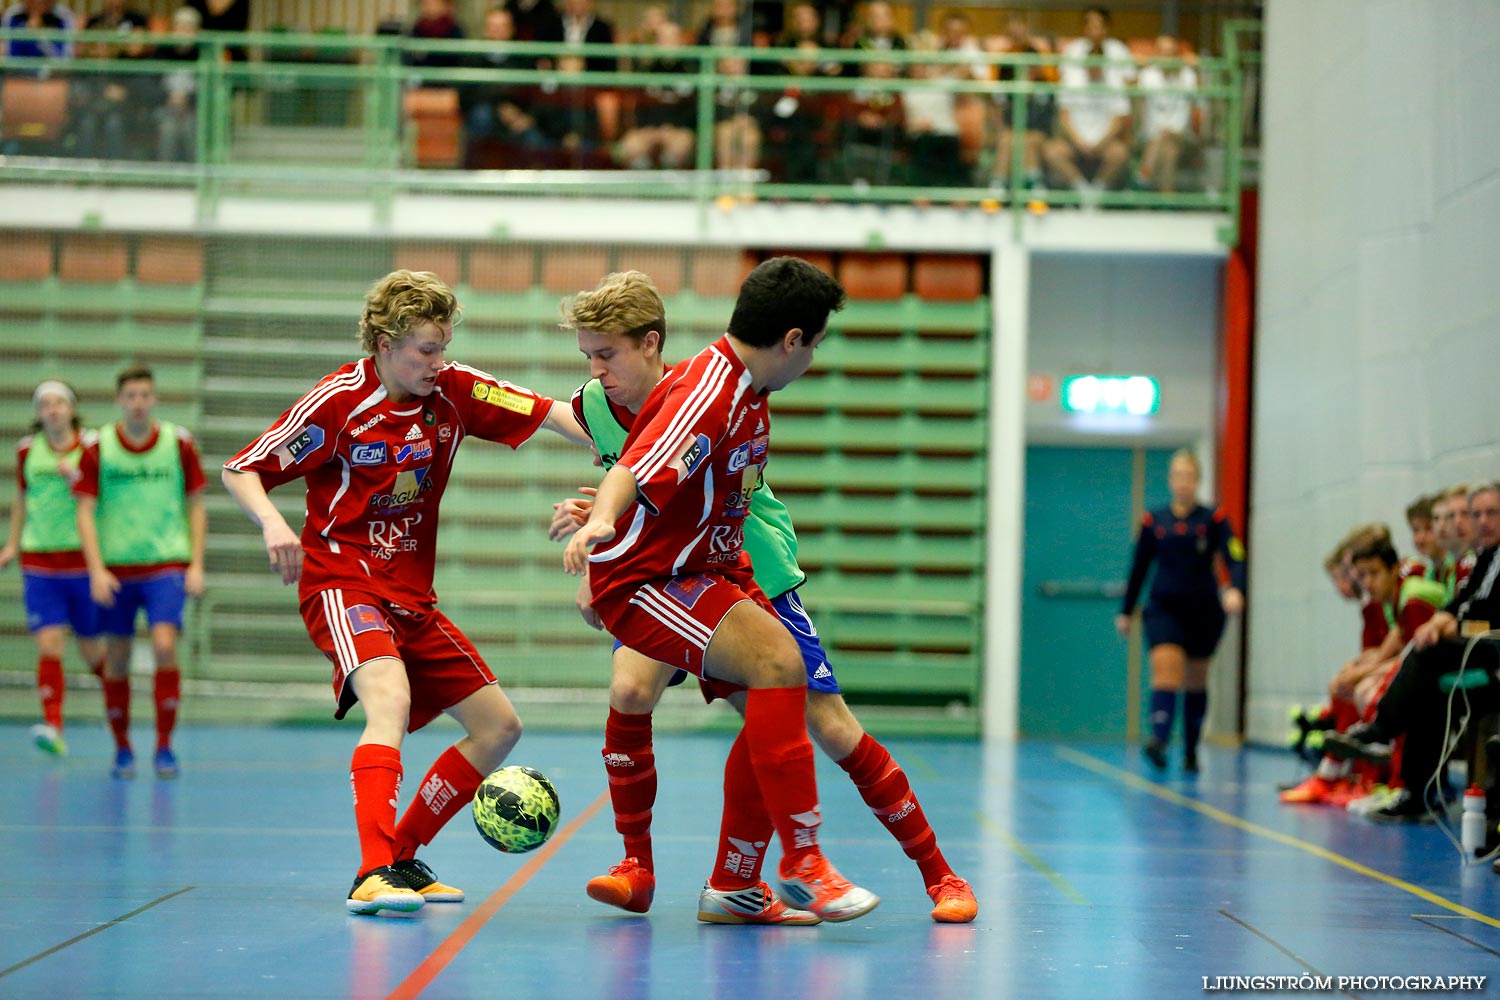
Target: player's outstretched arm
point(282, 543)
point(560, 420)
point(616, 492)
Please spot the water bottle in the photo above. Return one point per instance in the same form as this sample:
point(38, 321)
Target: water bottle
point(1472, 830)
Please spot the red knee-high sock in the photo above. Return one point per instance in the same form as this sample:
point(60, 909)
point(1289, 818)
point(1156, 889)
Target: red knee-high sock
point(448, 787)
point(631, 767)
point(1345, 713)
point(50, 686)
point(883, 786)
point(745, 828)
point(117, 708)
point(782, 756)
point(375, 774)
point(168, 693)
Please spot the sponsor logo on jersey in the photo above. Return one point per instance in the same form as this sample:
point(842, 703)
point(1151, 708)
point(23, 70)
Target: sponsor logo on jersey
point(498, 395)
point(686, 590)
point(692, 456)
point(377, 418)
point(414, 434)
point(387, 538)
point(759, 445)
point(299, 447)
point(736, 504)
point(428, 417)
point(407, 488)
point(367, 454)
point(739, 458)
point(418, 450)
point(445, 432)
point(365, 618)
point(760, 426)
point(725, 542)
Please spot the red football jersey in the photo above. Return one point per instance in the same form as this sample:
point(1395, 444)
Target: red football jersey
point(697, 450)
point(376, 471)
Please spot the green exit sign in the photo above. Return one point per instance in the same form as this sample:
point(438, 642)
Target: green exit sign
point(1131, 395)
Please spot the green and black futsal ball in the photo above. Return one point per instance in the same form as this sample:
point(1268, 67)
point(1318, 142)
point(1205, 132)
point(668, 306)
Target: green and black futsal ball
point(516, 809)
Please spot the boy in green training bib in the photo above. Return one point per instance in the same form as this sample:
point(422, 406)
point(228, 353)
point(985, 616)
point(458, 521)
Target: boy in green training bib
point(141, 523)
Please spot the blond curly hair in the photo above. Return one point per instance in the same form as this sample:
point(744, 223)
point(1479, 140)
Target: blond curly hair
point(402, 300)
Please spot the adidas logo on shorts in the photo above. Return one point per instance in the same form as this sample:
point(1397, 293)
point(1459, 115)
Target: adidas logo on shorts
point(822, 672)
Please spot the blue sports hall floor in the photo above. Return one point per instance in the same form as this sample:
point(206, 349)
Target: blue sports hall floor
point(1094, 878)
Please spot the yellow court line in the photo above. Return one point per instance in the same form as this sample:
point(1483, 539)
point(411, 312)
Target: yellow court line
point(1135, 781)
point(1029, 856)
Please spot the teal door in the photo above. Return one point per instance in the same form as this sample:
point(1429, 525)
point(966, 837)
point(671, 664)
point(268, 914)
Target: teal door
point(1082, 505)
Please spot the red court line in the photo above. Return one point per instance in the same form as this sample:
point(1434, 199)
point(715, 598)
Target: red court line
point(444, 953)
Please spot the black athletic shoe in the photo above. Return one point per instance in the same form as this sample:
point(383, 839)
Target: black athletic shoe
point(1359, 742)
point(1155, 751)
point(422, 878)
point(1190, 762)
point(1409, 808)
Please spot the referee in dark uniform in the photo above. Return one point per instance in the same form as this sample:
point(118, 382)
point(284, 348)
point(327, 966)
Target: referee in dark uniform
point(1185, 614)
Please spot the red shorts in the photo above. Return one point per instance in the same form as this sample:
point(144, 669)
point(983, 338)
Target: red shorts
point(673, 620)
point(352, 628)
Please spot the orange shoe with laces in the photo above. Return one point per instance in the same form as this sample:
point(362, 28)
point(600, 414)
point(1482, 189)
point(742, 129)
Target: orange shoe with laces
point(813, 884)
point(629, 885)
point(953, 901)
point(1314, 791)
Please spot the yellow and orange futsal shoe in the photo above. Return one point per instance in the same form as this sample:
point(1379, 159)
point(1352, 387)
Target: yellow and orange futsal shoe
point(383, 888)
point(755, 905)
point(953, 901)
point(629, 885)
point(418, 876)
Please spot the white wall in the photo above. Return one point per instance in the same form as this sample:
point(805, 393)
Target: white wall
point(1378, 343)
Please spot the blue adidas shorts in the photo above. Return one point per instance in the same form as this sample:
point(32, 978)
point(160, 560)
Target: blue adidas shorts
point(797, 621)
point(162, 595)
point(60, 599)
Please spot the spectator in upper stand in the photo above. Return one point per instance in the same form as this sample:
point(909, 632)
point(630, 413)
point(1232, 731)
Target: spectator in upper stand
point(535, 20)
point(795, 123)
point(737, 134)
point(653, 16)
point(872, 126)
point(435, 21)
point(35, 14)
point(1167, 116)
point(111, 111)
point(1096, 42)
point(1092, 147)
point(224, 15)
point(177, 113)
point(665, 116)
point(958, 36)
point(726, 26)
point(804, 26)
point(501, 111)
point(877, 31)
point(1041, 109)
point(569, 116)
point(579, 25)
point(931, 123)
